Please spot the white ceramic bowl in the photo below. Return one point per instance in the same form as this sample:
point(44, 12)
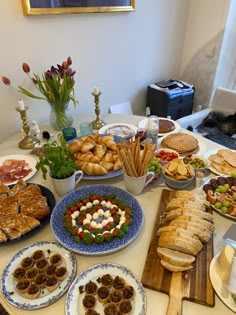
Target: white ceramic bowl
point(195, 158)
point(177, 184)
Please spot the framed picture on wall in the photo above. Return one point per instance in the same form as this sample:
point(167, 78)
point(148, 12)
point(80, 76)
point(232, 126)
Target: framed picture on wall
point(41, 7)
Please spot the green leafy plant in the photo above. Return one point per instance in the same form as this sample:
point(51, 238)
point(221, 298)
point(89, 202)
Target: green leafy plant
point(57, 160)
point(55, 85)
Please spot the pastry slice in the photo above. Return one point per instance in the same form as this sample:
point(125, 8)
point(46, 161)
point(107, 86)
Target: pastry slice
point(3, 237)
point(9, 206)
point(30, 191)
point(35, 207)
point(11, 233)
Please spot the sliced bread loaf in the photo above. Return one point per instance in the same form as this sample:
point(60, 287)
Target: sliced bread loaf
point(174, 268)
point(175, 257)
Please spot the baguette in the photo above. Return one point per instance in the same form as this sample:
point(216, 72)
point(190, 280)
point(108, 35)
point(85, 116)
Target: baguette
point(195, 219)
point(174, 257)
point(174, 268)
point(180, 211)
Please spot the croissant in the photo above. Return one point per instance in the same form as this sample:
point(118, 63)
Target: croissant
point(88, 157)
point(109, 142)
point(117, 164)
point(76, 145)
point(107, 165)
point(87, 145)
point(92, 168)
point(99, 150)
point(108, 157)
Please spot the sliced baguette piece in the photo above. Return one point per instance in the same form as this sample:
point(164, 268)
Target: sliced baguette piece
point(180, 211)
point(175, 257)
point(173, 228)
point(203, 234)
point(180, 243)
point(174, 268)
point(195, 219)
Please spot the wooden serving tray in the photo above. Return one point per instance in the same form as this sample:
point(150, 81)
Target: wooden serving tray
point(194, 285)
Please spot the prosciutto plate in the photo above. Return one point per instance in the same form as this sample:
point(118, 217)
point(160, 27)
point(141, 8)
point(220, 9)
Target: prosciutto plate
point(15, 167)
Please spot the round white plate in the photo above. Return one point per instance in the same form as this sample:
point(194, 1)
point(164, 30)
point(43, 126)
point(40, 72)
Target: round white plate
point(211, 168)
point(28, 159)
point(202, 146)
point(217, 285)
point(104, 129)
point(46, 298)
point(74, 298)
point(143, 123)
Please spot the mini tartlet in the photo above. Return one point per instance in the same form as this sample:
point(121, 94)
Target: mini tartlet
point(22, 285)
point(33, 291)
point(31, 273)
point(90, 288)
point(128, 292)
point(119, 283)
point(61, 273)
point(107, 280)
point(51, 284)
point(110, 309)
point(42, 264)
point(19, 273)
point(50, 270)
point(125, 307)
point(103, 294)
point(91, 312)
point(89, 301)
point(115, 296)
point(40, 279)
point(38, 254)
point(56, 259)
point(27, 262)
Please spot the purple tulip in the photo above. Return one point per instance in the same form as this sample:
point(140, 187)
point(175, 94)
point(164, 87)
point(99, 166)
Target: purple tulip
point(6, 81)
point(25, 67)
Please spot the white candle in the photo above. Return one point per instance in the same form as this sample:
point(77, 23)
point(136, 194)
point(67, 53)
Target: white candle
point(96, 90)
point(21, 105)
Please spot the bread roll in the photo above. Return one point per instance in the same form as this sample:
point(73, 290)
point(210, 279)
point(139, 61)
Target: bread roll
point(87, 145)
point(99, 150)
point(75, 145)
point(88, 157)
point(109, 142)
point(107, 165)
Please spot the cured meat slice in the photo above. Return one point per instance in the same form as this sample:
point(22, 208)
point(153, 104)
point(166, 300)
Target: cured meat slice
point(12, 170)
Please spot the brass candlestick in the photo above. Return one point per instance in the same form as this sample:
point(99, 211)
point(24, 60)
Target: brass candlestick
point(97, 123)
point(28, 142)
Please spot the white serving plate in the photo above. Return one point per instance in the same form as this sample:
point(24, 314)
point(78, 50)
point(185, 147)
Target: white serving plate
point(74, 298)
point(217, 284)
point(143, 123)
point(211, 168)
point(115, 130)
point(46, 298)
point(28, 159)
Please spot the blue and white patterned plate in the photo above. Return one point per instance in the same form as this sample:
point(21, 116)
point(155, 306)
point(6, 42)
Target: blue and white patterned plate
point(74, 298)
point(46, 298)
point(66, 239)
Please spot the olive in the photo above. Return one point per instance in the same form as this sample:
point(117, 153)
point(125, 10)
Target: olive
point(214, 183)
point(207, 187)
point(221, 180)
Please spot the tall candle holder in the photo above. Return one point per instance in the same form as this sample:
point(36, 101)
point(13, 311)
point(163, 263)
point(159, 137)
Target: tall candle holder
point(28, 142)
point(97, 123)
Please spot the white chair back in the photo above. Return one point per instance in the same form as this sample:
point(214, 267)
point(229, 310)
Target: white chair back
point(224, 100)
point(121, 108)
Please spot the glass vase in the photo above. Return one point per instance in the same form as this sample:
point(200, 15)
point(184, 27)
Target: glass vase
point(60, 116)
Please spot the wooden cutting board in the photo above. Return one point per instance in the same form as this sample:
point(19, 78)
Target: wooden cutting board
point(194, 285)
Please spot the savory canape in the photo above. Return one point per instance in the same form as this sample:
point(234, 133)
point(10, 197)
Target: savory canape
point(115, 296)
point(56, 259)
point(107, 280)
point(19, 273)
point(110, 309)
point(89, 301)
point(90, 287)
point(51, 283)
point(103, 294)
point(128, 292)
point(27, 262)
point(119, 283)
point(125, 307)
point(38, 254)
point(50, 270)
point(31, 273)
point(91, 312)
point(33, 291)
point(42, 264)
point(61, 273)
point(40, 279)
point(22, 285)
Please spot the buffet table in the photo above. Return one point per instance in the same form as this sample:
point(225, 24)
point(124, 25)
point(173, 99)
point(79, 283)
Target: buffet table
point(133, 256)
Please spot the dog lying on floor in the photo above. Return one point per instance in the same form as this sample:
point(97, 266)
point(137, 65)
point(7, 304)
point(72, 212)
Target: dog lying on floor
point(219, 128)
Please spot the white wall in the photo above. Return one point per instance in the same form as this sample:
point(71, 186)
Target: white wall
point(204, 36)
point(121, 52)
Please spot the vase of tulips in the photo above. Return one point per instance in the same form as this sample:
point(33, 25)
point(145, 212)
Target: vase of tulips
point(56, 86)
